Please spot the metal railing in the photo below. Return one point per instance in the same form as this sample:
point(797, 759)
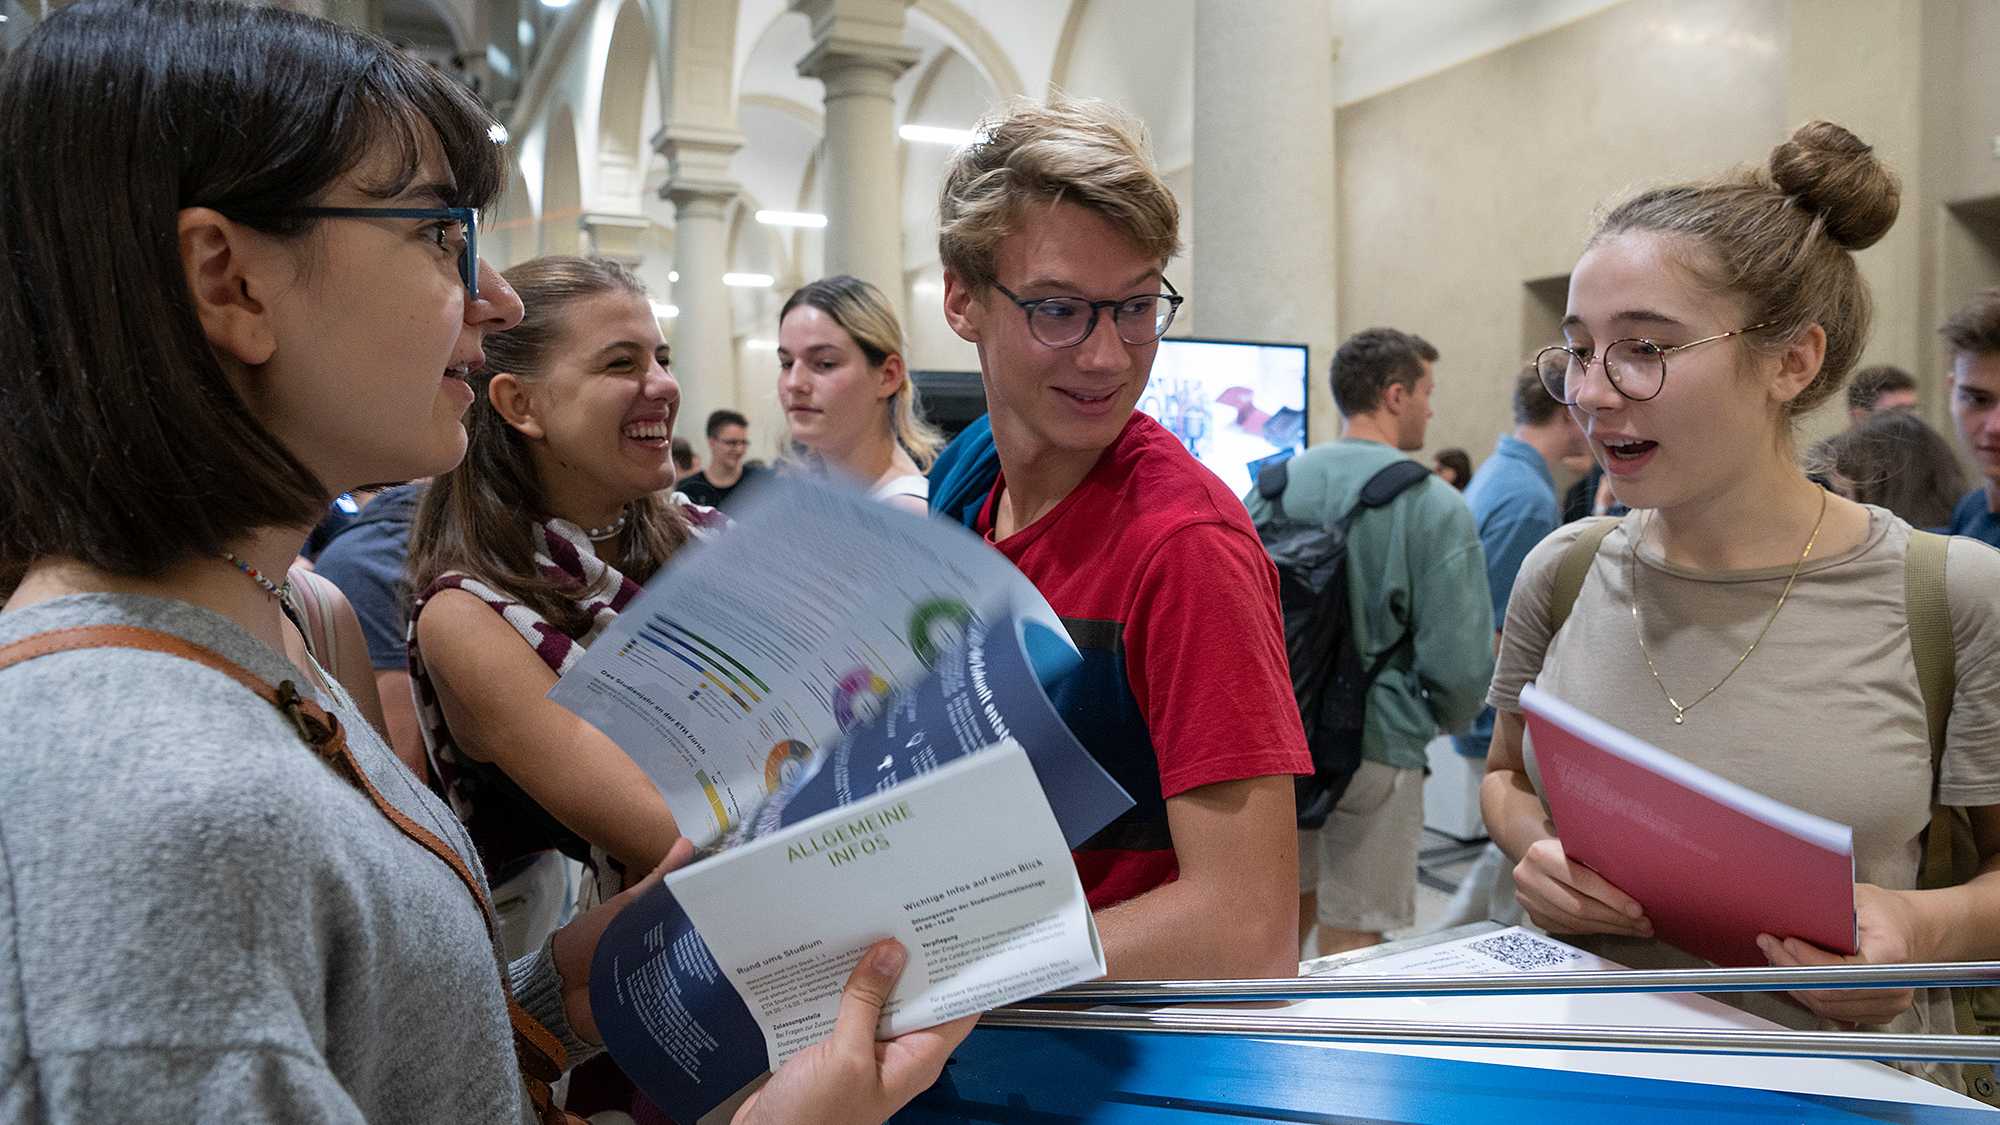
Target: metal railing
point(1287, 1024)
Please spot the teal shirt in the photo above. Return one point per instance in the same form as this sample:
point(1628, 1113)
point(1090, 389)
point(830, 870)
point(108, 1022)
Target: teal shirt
point(1416, 563)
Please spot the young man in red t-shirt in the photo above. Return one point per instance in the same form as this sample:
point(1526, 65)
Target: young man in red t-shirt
point(1056, 233)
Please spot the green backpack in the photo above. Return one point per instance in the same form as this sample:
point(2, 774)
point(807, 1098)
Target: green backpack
point(1950, 855)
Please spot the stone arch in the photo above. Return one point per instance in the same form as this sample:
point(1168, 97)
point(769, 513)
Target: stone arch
point(757, 25)
point(451, 16)
point(629, 75)
point(798, 111)
point(1093, 60)
point(970, 38)
point(1066, 46)
point(562, 188)
point(509, 235)
point(951, 91)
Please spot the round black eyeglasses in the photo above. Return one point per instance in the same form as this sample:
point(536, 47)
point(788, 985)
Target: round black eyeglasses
point(1065, 322)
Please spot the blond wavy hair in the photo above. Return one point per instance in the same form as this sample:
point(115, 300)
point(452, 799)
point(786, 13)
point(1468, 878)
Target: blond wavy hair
point(1076, 150)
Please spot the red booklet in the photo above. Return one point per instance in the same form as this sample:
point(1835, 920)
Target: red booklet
point(1714, 864)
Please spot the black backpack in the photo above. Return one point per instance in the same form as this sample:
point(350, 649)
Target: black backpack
point(1328, 676)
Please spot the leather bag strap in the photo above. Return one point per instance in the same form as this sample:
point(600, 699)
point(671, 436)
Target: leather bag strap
point(540, 1055)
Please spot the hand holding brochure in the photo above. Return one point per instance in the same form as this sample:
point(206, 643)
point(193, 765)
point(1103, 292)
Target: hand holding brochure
point(844, 702)
point(1714, 863)
point(735, 963)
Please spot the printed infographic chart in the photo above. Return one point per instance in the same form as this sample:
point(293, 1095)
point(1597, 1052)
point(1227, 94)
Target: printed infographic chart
point(749, 655)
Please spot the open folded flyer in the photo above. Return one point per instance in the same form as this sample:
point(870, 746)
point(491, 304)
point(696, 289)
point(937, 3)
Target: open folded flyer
point(844, 702)
point(749, 654)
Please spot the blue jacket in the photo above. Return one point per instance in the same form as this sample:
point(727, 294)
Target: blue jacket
point(963, 475)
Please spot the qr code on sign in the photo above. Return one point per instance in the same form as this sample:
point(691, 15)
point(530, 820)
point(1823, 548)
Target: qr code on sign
point(1525, 952)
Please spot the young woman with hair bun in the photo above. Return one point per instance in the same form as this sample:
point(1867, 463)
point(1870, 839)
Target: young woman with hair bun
point(1741, 616)
point(846, 390)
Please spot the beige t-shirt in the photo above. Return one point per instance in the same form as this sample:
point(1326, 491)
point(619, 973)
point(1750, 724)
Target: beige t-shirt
point(1826, 715)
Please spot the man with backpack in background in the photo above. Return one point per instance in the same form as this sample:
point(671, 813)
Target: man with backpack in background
point(1417, 643)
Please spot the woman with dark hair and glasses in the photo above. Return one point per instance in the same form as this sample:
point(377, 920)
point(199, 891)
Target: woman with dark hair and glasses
point(1742, 617)
point(237, 279)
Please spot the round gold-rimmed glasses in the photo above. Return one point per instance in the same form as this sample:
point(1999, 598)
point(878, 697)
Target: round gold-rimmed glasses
point(1636, 367)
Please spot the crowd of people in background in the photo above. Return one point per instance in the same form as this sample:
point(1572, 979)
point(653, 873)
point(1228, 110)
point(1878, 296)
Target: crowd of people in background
point(530, 421)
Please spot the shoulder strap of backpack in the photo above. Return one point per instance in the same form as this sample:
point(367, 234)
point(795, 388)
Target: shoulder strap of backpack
point(1949, 856)
point(1392, 481)
point(1389, 482)
point(1271, 482)
point(1379, 491)
point(1574, 568)
point(1929, 615)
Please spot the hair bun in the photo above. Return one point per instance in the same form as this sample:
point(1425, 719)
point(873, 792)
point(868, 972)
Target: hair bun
point(1833, 174)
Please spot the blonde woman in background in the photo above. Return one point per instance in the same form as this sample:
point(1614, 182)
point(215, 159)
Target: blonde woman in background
point(846, 390)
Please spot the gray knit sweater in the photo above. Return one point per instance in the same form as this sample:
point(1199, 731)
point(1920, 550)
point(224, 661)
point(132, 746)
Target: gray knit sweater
point(199, 921)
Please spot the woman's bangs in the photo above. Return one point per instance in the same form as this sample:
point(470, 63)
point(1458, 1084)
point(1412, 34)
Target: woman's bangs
point(411, 106)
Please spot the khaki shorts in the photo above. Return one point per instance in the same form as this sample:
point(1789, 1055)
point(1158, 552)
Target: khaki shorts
point(1363, 862)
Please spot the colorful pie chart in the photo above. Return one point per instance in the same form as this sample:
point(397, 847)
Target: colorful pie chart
point(936, 627)
point(784, 762)
point(858, 697)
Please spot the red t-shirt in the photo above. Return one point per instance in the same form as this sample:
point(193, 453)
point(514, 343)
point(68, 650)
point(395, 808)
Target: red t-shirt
point(1160, 577)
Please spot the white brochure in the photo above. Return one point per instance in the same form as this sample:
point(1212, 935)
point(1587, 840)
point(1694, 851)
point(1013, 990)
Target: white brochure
point(990, 908)
point(736, 963)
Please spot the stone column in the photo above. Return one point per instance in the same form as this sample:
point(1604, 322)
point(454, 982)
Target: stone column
point(617, 236)
point(497, 30)
point(858, 54)
point(1263, 221)
point(701, 190)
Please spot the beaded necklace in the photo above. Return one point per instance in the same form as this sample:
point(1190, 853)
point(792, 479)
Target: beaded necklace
point(282, 591)
point(279, 591)
point(606, 532)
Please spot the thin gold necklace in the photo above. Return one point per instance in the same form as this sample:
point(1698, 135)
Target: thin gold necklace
point(1681, 710)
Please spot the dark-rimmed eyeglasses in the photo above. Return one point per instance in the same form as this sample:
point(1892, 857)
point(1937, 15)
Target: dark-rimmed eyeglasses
point(1065, 322)
point(467, 234)
point(1636, 367)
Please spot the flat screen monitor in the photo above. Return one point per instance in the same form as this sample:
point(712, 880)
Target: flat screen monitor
point(1233, 403)
point(952, 400)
